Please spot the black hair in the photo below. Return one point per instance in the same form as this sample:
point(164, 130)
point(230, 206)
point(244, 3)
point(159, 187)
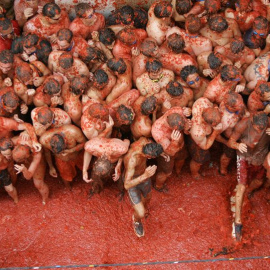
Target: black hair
point(212, 6)
point(79, 84)
point(23, 72)
point(101, 77)
point(93, 54)
point(107, 36)
point(66, 60)
point(176, 43)
point(213, 61)
point(45, 116)
point(50, 10)
point(218, 23)
point(30, 41)
point(5, 144)
point(5, 24)
point(126, 114)
point(237, 45)
point(17, 45)
point(163, 10)
point(263, 88)
point(6, 57)
point(126, 14)
point(113, 18)
point(229, 72)
point(152, 149)
point(260, 23)
point(10, 100)
point(140, 18)
point(211, 115)
point(260, 119)
point(174, 88)
point(65, 34)
point(51, 87)
point(81, 8)
point(148, 47)
point(117, 65)
point(193, 24)
point(43, 51)
point(176, 121)
point(57, 143)
point(149, 105)
point(188, 70)
point(153, 65)
point(183, 6)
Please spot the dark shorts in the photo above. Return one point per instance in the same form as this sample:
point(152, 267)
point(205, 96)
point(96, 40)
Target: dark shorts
point(246, 171)
point(197, 154)
point(142, 189)
point(5, 179)
point(229, 152)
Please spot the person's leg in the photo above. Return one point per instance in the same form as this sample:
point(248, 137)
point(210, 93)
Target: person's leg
point(224, 163)
point(178, 166)
point(194, 168)
point(12, 192)
point(139, 213)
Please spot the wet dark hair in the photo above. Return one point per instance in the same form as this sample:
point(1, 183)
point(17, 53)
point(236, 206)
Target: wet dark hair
point(229, 73)
point(51, 87)
point(212, 6)
point(101, 171)
point(149, 105)
point(126, 114)
point(23, 72)
point(101, 77)
point(260, 119)
point(43, 51)
point(50, 10)
point(148, 47)
point(127, 36)
point(45, 116)
point(183, 6)
point(117, 65)
point(140, 18)
point(237, 45)
point(5, 144)
point(188, 70)
point(65, 34)
point(214, 61)
point(6, 57)
point(260, 23)
point(17, 45)
point(19, 150)
point(107, 36)
point(174, 89)
point(234, 101)
point(153, 65)
point(193, 24)
point(218, 23)
point(126, 14)
point(93, 54)
point(176, 43)
point(5, 24)
point(57, 143)
point(98, 111)
point(81, 8)
point(30, 41)
point(66, 60)
point(176, 121)
point(211, 116)
point(79, 84)
point(163, 10)
point(11, 100)
point(113, 18)
point(262, 88)
point(152, 149)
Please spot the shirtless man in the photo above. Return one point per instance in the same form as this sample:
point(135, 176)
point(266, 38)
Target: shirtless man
point(25, 155)
point(122, 70)
point(189, 74)
point(137, 178)
point(71, 93)
point(251, 141)
point(67, 65)
point(66, 143)
point(225, 82)
point(6, 68)
point(48, 23)
point(220, 30)
point(87, 21)
point(9, 102)
point(205, 128)
point(159, 21)
point(168, 131)
point(156, 78)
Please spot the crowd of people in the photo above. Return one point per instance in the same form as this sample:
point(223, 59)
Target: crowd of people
point(105, 95)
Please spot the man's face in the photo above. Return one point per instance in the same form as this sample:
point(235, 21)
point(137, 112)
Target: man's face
point(5, 68)
point(259, 33)
point(7, 154)
point(55, 19)
point(89, 13)
point(155, 75)
point(63, 44)
point(266, 96)
point(193, 80)
point(32, 3)
point(7, 34)
point(9, 109)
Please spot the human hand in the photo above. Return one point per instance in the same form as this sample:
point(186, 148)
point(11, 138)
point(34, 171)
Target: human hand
point(218, 127)
point(24, 108)
point(239, 88)
point(24, 136)
point(188, 125)
point(19, 168)
point(32, 57)
point(166, 157)
point(167, 104)
point(135, 51)
point(150, 171)
point(186, 111)
point(53, 38)
point(176, 135)
point(85, 177)
point(110, 123)
point(95, 36)
point(24, 56)
point(31, 92)
point(28, 12)
point(116, 175)
point(237, 64)
point(91, 43)
point(53, 172)
point(17, 119)
point(209, 72)
point(39, 11)
point(8, 82)
point(66, 152)
point(37, 81)
point(242, 147)
point(37, 146)
point(57, 100)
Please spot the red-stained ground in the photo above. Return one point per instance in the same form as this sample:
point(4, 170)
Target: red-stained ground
point(184, 224)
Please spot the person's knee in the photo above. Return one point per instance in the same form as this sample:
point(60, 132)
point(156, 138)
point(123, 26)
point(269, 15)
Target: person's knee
point(9, 188)
point(39, 184)
point(140, 212)
point(241, 188)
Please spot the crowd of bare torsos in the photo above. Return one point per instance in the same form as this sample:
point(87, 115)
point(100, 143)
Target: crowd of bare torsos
point(105, 96)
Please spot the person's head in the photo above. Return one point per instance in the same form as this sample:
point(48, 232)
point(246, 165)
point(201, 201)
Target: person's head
point(64, 38)
point(260, 121)
point(237, 45)
point(113, 18)
point(6, 146)
point(21, 153)
point(260, 27)
point(57, 143)
point(242, 5)
point(140, 18)
point(6, 28)
point(152, 150)
point(24, 73)
point(6, 61)
point(176, 121)
point(234, 103)
point(52, 12)
point(149, 47)
point(174, 89)
point(79, 84)
point(212, 6)
point(99, 111)
point(190, 75)
point(101, 171)
point(125, 115)
point(163, 10)
point(154, 68)
point(183, 6)
point(52, 87)
point(93, 55)
point(214, 60)
point(43, 51)
point(10, 102)
point(107, 37)
point(45, 116)
point(126, 15)
point(263, 89)
point(217, 23)
point(118, 66)
point(176, 43)
point(127, 36)
point(84, 10)
point(32, 3)
point(211, 116)
point(17, 45)
point(66, 60)
point(101, 79)
point(149, 105)
point(193, 24)
point(29, 43)
point(230, 73)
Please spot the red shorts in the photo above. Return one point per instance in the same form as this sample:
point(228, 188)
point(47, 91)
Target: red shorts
point(246, 171)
